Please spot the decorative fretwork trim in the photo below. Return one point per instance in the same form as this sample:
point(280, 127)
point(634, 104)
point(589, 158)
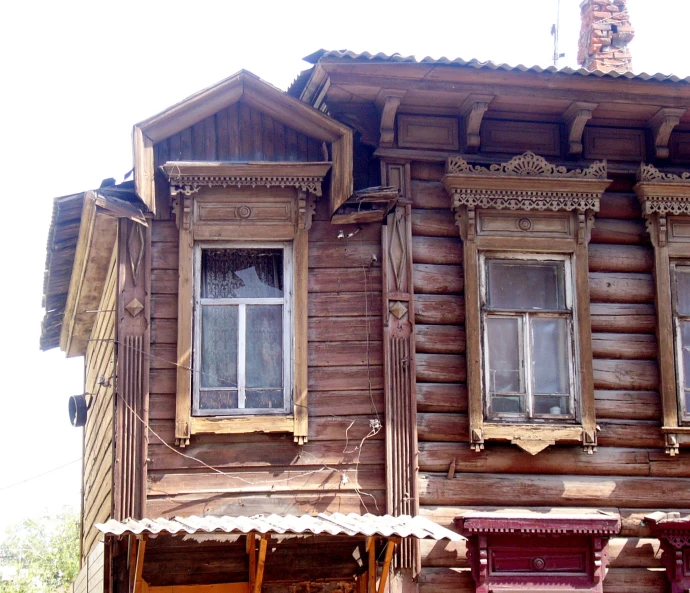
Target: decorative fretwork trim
point(661, 193)
point(191, 184)
point(525, 200)
point(651, 173)
point(526, 165)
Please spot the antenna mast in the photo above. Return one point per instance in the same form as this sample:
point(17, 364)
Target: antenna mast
point(554, 33)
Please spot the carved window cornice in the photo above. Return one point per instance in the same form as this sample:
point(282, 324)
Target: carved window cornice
point(662, 193)
point(673, 531)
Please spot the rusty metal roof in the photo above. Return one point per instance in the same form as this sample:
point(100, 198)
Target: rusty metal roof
point(323, 523)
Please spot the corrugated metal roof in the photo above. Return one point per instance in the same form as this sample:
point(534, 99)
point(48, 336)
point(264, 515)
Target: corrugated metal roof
point(326, 55)
point(331, 524)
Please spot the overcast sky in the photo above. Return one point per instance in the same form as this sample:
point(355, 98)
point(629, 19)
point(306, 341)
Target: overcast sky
point(77, 75)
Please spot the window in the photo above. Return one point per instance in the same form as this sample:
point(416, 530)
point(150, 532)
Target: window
point(525, 226)
point(681, 326)
point(528, 345)
point(243, 329)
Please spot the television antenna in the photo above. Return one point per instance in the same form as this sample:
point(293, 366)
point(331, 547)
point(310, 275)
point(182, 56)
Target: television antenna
point(554, 33)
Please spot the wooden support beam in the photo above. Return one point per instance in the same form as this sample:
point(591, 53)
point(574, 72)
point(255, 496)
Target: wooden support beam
point(576, 117)
point(251, 552)
point(472, 110)
point(139, 567)
point(261, 562)
point(371, 567)
point(388, 101)
point(390, 546)
point(662, 124)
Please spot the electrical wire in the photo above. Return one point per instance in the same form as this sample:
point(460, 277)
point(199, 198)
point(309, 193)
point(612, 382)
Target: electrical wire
point(50, 471)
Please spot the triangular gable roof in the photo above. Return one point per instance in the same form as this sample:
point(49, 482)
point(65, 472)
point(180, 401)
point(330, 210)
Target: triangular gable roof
point(250, 89)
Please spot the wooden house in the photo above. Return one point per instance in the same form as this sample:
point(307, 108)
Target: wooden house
point(426, 319)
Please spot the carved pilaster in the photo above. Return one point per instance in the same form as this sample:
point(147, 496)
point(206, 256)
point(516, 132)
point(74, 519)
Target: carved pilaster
point(575, 118)
point(661, 125)
point(133, 328)
point(399, 365)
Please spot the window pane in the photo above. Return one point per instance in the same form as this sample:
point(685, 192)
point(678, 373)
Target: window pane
point(218, 400)
point(550, 356)
point(551, 404)
point(525, 285)
point(685, 344)
point(264, 398)
point(506, 405)
point(219, 346)
point(505, 370)
point(683, 290)
point(241, 273)
point(264, 347)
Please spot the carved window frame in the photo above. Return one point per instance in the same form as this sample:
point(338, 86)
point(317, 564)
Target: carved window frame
point(248, 203)
point(527, 206)
point(665, 201)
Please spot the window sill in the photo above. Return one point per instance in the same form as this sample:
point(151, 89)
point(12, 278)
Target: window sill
point(533, 438)
point(240, 425)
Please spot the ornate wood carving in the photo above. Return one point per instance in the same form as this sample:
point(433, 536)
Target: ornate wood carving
point(494, 210)
point(399, 363)
point(665, 201)
point(662, 124)
point(673, 531)
point(388, 102)
point(472, 111)
point(133, 306)
point(576, 117)
point(528, 551)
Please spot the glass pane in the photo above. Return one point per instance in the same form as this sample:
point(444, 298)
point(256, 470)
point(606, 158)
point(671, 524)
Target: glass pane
point(241, 273)
point(264, 346)
point(686, 410)
point(506, 405)
point(550, 356)
point(685, 343)
point(525, 285)
point(217, 400)
point(683, 290)
point(219, 346)
point(264, 398)
point(552, 404)
point(505, 370)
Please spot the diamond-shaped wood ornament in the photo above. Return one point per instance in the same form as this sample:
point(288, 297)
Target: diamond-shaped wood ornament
point(134, 307)
point(398, 309)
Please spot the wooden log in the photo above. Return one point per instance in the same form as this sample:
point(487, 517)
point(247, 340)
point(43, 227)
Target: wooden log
point(429, 194)
point(163, 356)
point(164, 231)
point(344, 304)
point(620, 258)
point(266, 454)
point(163, 381)
point(619, 205)
point(345, 280)
point(437, 279)
point(605, 287)
point(614, 317)
point(322, 231)
point(625, 374)
point(549, 490)
point(621, 433)
point(164, 331)
point(446, 580)
point(162, 406)
point(434, 223)
point(627, 405)
point(345, 378)
point(441, 368)
point(322, 354)
point(662, 464)
point(350, 403)
point(427, 171)
point(164, 307)
point(439, 309)
point(635, 580)
point(443, 427)
point(626, 346)
point(504, 458)
point(164, 282)
point(344, 329)
point(620, 232)
point(164, 256)
point(440, 339)
point(441, 397)
point(344, 254)
point(436, 250)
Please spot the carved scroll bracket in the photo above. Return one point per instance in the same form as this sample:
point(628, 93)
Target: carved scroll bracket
point(576, 117)
point(662, 124)
point(472, 111)
point(388, 101)
point(306, 206)
point(182, 207)
point(672, 444)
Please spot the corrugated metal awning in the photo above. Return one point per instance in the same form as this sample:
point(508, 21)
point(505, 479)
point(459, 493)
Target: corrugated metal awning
point(329, 524)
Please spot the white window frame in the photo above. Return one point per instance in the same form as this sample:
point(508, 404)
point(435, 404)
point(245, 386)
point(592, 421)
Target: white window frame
point(525, 355)
point(683, 412)
point(288, 329)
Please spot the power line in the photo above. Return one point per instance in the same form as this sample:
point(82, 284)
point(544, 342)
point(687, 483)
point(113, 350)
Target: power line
point(50, 471)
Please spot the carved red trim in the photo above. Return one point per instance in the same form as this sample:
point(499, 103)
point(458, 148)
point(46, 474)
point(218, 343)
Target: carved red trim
point(673, 532)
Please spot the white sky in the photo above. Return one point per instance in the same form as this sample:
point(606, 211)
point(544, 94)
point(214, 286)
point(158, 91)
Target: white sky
point(77, 75)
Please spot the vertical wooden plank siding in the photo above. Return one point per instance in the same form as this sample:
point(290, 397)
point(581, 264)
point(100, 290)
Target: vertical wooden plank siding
point(98, 432)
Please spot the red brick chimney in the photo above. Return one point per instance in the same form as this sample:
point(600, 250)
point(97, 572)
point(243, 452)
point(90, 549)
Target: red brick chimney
point(604, 36)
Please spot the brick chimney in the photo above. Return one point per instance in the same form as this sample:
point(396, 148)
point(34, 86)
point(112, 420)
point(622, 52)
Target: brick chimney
point(604, 36)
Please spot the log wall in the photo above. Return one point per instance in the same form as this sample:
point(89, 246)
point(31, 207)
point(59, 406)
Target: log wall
point(342, 467)
point(98, 432)
point(630, 471)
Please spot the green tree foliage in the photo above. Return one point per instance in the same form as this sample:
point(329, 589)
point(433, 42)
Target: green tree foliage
point(44, 552)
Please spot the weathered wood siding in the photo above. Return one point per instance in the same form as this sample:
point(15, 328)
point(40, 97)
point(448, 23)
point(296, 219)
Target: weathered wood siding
point(98, 432)
point(629, 472)
point(341, 468)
